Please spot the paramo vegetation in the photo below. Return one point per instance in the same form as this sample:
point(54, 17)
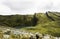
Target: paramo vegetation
point(44, 23)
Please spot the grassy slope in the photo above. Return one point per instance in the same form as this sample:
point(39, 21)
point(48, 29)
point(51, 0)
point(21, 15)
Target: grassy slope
point(46, 25)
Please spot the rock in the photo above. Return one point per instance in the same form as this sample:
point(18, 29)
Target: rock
point(6, 36)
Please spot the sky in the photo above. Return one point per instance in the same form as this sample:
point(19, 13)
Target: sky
point(8, 7)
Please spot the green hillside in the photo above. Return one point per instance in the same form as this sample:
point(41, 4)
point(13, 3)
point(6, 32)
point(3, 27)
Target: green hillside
point(45, 23)
point(48, 23)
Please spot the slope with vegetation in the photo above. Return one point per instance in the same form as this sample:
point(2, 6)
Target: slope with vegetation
point(45, 23)
point(48, 23)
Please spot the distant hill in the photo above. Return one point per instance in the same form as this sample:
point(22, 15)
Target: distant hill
point(29, 20)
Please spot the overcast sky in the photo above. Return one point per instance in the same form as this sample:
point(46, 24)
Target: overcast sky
point(28, 6)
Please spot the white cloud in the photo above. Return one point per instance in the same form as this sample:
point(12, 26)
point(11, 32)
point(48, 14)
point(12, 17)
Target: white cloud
point(28, 6)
